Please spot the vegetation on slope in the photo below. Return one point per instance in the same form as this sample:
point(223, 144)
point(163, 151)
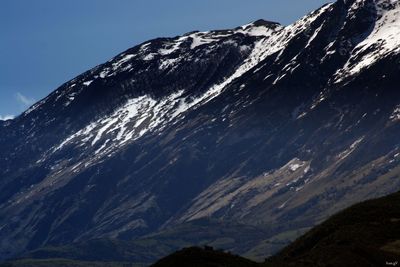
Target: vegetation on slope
point(366, 234)
point(207, 257)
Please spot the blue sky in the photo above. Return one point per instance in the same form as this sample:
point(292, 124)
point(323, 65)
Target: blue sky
point(44, 43)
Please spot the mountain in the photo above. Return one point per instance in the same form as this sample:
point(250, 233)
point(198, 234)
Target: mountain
point(265, 127)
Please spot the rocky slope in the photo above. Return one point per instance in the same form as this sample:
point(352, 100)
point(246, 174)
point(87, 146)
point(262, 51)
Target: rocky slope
point(267, 126)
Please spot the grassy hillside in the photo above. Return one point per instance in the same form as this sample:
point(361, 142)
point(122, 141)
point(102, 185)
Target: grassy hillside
point(366, 234)
point(207, 257)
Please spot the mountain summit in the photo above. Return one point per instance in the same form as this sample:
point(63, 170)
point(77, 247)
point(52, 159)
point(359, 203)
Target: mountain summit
point(270, 129)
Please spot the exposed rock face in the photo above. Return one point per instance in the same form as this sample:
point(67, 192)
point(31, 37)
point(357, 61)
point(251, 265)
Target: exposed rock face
point(260, 125)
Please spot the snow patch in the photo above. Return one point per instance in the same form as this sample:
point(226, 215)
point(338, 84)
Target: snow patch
point(168, 63)
point(170, 48)
point(87, 83)
point(351, 149)
point(395, 116)
point(6, 117)
point(294, 167)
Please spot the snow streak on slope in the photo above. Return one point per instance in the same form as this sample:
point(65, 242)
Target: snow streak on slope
point(382, 42)
point(128, 123)
point(396, 114)
point(279, 41)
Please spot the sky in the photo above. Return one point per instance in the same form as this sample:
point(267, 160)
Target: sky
point(45, 43)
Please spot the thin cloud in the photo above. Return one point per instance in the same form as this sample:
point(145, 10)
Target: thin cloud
point(24, 100)
point(6, 117)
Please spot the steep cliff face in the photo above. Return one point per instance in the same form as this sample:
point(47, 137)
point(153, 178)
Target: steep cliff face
point(262, 125)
